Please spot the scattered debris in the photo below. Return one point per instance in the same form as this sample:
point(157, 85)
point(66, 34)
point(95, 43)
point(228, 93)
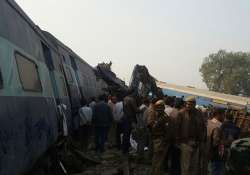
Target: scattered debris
point(63, 168)
point(66, 159)
point(86, 158)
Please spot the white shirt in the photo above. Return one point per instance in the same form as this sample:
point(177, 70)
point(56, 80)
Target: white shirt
point(85, 113)
point(141, 122)
point(118, 111)
point(168, 110)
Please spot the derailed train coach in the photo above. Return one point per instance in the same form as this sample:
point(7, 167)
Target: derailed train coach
point(37, 73)
point(81, 79)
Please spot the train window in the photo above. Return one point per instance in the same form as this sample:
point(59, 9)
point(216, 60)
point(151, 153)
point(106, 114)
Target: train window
point(69, 75)
point(73, 63)
point(64, 60)
point(1, 80)
point(48, 57)
point(64, 87)
point(28, 73)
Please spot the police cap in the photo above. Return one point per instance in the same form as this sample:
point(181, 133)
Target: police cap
point(159, 105)
point(191, 99)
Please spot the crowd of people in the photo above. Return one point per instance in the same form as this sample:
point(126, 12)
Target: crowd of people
point(171, 133)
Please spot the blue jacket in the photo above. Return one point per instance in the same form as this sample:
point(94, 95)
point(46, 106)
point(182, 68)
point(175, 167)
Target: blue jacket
point(230, 132)
point(102, 115)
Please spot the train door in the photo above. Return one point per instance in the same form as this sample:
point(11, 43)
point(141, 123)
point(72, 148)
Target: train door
point(75, 68)
point(73, 91)
point(50, 65)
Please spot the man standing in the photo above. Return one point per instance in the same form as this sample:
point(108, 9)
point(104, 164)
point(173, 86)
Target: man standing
point(130, 109)
point(162, 135)
point(112, 101)
point(190, 134)
point(118, 115)
point(215, 143)
point(174, 150)
point(112, 131)
point(141, 129)
point(148, 115)
point(85, 114)
point(128, 121)
point(230, 133)
point(102, 120)
point(169, 102)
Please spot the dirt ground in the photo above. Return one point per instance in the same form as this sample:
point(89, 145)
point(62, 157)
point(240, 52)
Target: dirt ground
point(112, 162)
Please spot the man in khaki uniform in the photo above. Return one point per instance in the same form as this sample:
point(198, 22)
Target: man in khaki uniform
point(214, 142)
point(148, 116)
point(190, 135)
point(160, 125)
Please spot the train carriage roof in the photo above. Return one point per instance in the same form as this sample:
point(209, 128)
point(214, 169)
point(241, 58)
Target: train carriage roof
point(28, 20)
point(57, 42)
point(45, 36)
point(233, 99)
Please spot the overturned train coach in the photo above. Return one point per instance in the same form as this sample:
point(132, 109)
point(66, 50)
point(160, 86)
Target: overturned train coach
point(37, 73)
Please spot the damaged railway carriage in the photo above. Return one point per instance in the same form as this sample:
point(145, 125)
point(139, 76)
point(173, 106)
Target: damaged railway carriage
point(37, 72)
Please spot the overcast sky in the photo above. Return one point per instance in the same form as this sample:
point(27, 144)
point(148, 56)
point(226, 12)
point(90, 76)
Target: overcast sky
point(170, 37)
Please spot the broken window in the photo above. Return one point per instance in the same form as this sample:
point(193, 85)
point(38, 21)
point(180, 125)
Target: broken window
point(28, 73)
